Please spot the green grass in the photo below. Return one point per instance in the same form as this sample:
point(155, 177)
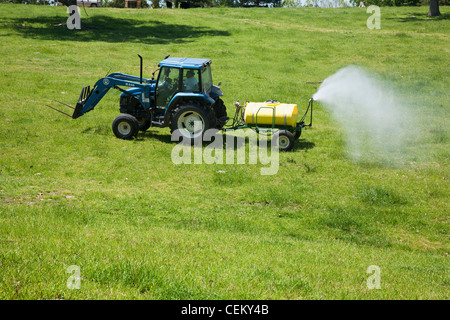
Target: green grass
point(140, 227)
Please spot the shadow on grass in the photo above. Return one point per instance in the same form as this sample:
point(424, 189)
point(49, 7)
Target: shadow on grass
point(149, 135)
point(154, 134)
point(110, 29)
point(304, 145)
point(422, 17)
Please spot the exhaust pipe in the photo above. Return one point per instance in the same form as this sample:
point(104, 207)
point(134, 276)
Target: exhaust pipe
point(141, 67)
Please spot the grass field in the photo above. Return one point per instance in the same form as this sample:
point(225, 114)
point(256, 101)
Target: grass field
point(140, 227)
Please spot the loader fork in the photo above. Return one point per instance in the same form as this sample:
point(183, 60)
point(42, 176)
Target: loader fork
point(84, 96)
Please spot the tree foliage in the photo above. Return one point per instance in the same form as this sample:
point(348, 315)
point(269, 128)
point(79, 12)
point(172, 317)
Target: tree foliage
point(391, 3)
point(68, 2)
point(115, 3)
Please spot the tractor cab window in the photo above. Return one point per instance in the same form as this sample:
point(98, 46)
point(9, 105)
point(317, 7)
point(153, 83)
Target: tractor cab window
point(190, 80)
point(206, 80)
point(168, 85)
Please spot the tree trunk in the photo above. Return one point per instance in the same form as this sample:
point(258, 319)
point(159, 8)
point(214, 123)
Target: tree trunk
point(434, 8)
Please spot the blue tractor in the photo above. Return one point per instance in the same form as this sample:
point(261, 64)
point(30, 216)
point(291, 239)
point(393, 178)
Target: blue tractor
point(182, 96)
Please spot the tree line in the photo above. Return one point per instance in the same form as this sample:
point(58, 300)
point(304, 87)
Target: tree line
point(184, 4)
point(245, 3)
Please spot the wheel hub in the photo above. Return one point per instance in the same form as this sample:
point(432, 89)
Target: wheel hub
point(187, 121)
point(124, 128)
point(283, 142)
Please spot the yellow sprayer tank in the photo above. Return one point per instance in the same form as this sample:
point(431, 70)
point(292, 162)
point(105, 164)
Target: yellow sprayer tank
point(257, 113)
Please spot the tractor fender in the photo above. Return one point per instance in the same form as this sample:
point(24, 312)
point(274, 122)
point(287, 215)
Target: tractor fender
point(177, 98)
point(215, 92)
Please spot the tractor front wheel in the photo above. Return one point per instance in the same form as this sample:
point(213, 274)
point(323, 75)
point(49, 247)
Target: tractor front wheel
point(144, 124)
point(125, 126)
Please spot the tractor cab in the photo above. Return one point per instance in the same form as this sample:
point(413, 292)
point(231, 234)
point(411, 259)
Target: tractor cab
point(182, 77)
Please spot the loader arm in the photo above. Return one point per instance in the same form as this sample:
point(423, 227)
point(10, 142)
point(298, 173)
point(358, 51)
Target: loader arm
point(89, 98)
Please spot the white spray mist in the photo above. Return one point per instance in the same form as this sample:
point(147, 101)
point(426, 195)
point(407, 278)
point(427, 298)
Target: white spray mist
point(375, 122)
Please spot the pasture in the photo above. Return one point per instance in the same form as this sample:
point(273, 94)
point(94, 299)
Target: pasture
point(139, 226)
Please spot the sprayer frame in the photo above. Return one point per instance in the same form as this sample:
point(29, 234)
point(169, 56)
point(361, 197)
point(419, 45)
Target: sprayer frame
point(239, 123)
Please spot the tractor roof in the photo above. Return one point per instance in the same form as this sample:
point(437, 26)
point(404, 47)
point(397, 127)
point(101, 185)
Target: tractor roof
point(188, 63)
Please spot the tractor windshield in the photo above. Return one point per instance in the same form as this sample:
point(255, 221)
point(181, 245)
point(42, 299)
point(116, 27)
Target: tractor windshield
point(168, 84)
point(206, 79)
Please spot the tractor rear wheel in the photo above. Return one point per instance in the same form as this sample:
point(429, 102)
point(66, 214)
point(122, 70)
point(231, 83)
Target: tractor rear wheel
point(220, 112)
point(286, 140)
point(125, 126)
point(192, 119)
